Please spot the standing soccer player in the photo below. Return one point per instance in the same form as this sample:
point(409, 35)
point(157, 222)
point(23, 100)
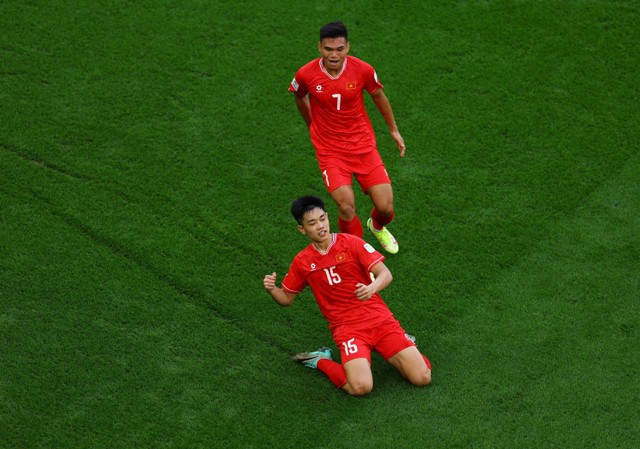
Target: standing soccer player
point(329, 94)
point(337, 267)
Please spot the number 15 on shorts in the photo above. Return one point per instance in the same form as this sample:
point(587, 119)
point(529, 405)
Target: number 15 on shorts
point(350, 347)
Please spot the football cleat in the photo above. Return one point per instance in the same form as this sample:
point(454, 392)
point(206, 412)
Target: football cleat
point(386, 239)
point(310, 359)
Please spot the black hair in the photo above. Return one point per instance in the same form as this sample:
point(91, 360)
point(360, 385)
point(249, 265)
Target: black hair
point(305, 204)
point(334, 29)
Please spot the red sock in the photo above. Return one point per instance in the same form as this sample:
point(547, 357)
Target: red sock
point(379, 220)
point(334, 371)
point(427, 361)
point(353, 227)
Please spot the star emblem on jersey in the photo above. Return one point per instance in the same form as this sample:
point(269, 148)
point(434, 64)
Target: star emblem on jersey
point(340, 257)
point(351, 86)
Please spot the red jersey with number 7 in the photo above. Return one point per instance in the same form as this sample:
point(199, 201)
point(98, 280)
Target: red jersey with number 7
point(333, 275)
point(339, 121)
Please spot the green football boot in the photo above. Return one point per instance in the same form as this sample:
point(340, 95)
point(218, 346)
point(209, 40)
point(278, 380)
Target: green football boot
point(386, 239)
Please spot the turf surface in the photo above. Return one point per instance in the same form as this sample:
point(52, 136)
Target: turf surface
point(148, 155)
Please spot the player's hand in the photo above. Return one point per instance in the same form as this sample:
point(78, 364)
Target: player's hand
point(270, 281)
point(399, 142)
point(364, 292)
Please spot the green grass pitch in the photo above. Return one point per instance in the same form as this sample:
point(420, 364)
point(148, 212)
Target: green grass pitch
point(149, 152)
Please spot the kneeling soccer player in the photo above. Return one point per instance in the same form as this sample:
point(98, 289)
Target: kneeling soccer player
point(337, 267)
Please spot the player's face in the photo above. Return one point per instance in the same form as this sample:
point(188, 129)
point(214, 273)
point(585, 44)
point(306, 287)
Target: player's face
point(315, 224)
point(333, 51)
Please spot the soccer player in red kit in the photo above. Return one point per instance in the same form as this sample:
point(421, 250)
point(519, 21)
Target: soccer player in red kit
point(337, 267)
point(329, 95)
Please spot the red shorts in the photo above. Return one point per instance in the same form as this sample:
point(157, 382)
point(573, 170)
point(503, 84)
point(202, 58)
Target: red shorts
point(368, 170)
point(388, 339)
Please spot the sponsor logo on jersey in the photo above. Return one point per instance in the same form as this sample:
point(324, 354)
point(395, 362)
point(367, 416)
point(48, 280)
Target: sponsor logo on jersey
point(369, 248)
point(295, 84)
point(313, 266)
point(319, 88)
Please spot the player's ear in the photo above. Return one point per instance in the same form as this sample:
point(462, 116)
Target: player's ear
point(301, 229)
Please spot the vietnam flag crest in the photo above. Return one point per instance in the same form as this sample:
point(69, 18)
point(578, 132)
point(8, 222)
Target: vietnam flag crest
point(351, 86)
point(340, 257)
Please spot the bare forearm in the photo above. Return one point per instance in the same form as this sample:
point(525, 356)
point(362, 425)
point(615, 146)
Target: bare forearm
point(281, 297)
point(384, 106)
point(278, 294)
point(382, 281)
point(304, 108)
point(383, 277)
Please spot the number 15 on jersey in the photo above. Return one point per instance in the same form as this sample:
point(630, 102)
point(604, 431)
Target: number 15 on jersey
point(332, 276)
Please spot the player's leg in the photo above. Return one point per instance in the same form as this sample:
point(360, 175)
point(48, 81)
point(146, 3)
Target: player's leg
point(322, 359)
point(359, 377)
point(414, 366)
point(348, 220)
point(376, 183)
point(355, 353)
point(354, 376)
point(399, 349)
point(338, 183)
point(382, 214)
point(345, 200)
point(382, 198)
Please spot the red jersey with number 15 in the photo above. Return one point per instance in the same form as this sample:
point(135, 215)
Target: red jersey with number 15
point(339, 120)
point(333, 275)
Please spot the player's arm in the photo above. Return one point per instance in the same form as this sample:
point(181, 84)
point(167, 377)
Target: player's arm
point(383, 277)
point(282, 297)
point(384, 106)
point(303, 107)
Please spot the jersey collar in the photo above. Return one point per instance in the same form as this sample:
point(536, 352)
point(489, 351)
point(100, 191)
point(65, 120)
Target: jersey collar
point(344, 67)
point(324, 253)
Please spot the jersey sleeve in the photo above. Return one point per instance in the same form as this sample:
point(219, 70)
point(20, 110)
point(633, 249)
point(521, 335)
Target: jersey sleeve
point(298, 84)
point(371, 81)
point(367, 254)
point(294, 281)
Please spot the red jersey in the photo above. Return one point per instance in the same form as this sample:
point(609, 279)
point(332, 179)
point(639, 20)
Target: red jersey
point(339, 121)
point(333, 275)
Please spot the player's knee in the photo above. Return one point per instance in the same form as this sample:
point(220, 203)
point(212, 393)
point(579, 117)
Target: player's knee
point(360, 391)
point(347, 208)
point(421, 378)
point(386, 208)
point(360, 388)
